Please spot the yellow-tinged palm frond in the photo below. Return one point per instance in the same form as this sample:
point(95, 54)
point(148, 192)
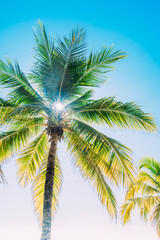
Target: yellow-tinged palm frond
point(145, 204)
point(13, 140)
point(116, 154)
point(144, 194)
point(151, 165)
point(114, 113)
point(91, 170)
point(147, 178)
point(31, 158)
point(38, 188)
point(125, 211)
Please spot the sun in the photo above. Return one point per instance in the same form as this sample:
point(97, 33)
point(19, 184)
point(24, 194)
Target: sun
point(58, 106)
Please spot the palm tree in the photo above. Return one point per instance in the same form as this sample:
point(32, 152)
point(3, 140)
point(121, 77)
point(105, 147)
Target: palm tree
point(53, 103)
point(145, 194)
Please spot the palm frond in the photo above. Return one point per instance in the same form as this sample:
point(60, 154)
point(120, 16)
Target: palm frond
point(124, 115)
point(98, 64)
point(70, 52)
point(146, 177)
point(26, 111)
point(144, 194)
point(116, 154)
point(125, 211)
point(13, 78)
point(80, 101)
point(12, 141)
point(30, 159)
point(91, 171)
point(150, 164)
point(38, 188)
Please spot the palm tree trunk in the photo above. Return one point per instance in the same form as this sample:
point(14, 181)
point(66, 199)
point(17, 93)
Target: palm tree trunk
point(48, 191)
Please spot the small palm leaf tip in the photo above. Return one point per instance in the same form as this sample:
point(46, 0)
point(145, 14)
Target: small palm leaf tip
point(54, 102)
point(144, 193)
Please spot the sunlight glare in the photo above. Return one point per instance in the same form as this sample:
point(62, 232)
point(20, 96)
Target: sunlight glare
point(59, 106)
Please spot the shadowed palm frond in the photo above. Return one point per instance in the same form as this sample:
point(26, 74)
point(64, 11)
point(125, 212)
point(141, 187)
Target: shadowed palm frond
point(38, 188)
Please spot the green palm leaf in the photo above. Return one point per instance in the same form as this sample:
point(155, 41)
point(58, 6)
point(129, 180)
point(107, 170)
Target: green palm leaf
point(127, 115)
point(98, 64)
point(13, 78)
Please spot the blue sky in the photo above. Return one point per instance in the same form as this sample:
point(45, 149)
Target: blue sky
point(132, 27)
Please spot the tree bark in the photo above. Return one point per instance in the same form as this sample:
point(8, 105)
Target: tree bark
point(48, 190)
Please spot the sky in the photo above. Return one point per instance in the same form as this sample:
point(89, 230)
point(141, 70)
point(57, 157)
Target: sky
point(132, 26)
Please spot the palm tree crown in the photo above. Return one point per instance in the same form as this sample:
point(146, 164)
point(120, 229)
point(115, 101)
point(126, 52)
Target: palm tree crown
point(55, 102)
point(145, 194)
